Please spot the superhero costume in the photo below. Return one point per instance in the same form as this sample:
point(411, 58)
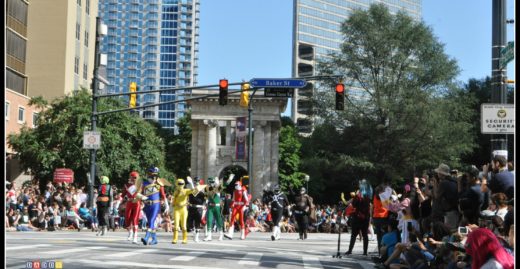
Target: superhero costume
point(104, 200)
point(132, 207)
point(195, 208)
point(152, 194)
point(239, 204)
point(180, 211)
point(212, 192)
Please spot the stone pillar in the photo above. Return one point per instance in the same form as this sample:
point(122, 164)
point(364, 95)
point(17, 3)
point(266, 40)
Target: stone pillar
point(228, 133)
point(258, 159)
point(194, 148)
point(275, 139)
point(211, 147)
point(201, 149)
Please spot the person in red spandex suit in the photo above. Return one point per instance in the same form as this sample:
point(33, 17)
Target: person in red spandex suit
point(239, 204)
point(133, 206)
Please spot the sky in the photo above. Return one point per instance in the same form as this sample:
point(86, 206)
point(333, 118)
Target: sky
point(245, 39)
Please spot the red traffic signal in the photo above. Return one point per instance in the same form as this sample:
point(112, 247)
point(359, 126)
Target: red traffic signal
point(223, 92)
point(340, 96)
point(340, 88)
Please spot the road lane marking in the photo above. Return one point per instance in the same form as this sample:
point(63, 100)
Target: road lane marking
point(27, 246)
point(311, 263)
point(72, 250)
point(252, 259)
point(187, 256)
point(125, 264)
point(130, 253)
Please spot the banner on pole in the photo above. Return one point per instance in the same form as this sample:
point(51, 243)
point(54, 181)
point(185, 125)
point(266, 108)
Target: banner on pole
point(241, 134)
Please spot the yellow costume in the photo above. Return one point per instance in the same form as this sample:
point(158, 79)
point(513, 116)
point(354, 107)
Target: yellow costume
point(180, 210)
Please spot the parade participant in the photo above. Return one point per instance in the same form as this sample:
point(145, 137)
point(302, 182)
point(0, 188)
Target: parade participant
point(180, 212)
point(212, 192)
point(195, 207)
point(132, 207)
point(152, 193)
point(103, 201)
point(239, 204)
point(361, 215)
point(279, 202)
point(301, 211)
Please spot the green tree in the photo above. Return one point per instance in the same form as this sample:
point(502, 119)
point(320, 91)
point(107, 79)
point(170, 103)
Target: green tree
point(404, 110)
point(178, 148)
point(289, 160)
point(127, 141)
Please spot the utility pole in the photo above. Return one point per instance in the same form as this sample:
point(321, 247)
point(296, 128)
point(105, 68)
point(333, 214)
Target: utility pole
point(498, 74)
point(250, 140)
point(100, 32)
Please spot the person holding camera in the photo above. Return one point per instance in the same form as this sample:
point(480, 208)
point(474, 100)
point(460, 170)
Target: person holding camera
point(447, 194)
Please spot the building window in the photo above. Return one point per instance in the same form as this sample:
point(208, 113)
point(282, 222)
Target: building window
point(21, 114)
point(18, 10)
point(14, 81)
point(85, 71)
point(35, 119)
point(87, 6)
point(15, 45)
point(76, 65)
point(78, 31)
point(79, 2)
point(7, 109)
point(86, 39)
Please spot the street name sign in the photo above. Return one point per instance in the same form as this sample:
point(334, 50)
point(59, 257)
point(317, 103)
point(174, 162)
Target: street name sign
point(278, 92)
point(91, 140)
point(498, 118)
point(277, 83)
point(507, 54)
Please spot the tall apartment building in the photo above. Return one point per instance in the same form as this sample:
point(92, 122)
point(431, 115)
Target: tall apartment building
point(60, 54)
point(316, 32)
point(155, 44)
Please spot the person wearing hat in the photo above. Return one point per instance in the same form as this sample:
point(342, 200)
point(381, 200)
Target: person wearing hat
point(132, 207)
point(212, 192)
point(447, 196)
point(196, 202)
point(104, 200)
point(151, 192)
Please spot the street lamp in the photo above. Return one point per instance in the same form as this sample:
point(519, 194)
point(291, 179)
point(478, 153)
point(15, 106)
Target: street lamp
point(307, 178)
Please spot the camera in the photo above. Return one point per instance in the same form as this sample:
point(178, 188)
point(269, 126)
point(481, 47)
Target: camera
point(463, 230)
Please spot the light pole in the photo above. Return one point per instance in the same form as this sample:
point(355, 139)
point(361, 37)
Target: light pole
point(250, 139)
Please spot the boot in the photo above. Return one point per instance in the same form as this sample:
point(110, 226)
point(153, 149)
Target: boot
point(351, 245)
point(175, 236)
point(229, 235)
point(243, 233)
point(104, 230)
point(365, 246)
point(130, 235)
point(154, 239)
point(135, 239)
point(304, 234)
point(301, 235)
point(273, 236)
point(99, 230)
point(146, 237)
point(184, 236)
point(221, 236)
point(208, 236)
point(277, 236)
point(196, 237)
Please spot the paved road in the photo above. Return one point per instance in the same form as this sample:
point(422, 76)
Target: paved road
point(86, 250)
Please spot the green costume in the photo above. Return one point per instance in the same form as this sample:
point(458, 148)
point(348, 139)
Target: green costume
point(212, 192)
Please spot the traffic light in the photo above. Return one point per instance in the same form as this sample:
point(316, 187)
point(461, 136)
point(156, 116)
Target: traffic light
point(223, 92)
point(340, 96)
point(244, 95)
point(133, 97)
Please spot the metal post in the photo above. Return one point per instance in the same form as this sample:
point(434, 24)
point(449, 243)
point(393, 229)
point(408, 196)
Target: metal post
point(250, 140)
point(93, 116)
point(498, 75)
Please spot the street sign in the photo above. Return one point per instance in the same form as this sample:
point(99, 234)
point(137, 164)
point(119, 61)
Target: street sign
point(279, 92)
point(498, 118)
point(91, 140)
point(507, 54)
point(277, 83)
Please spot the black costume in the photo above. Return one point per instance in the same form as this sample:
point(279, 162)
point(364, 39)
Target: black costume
point(278, 202)
point(301, 211)
point(195, 210)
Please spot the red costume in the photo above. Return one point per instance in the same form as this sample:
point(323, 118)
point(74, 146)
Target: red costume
point(133, 207)
point(239, 203)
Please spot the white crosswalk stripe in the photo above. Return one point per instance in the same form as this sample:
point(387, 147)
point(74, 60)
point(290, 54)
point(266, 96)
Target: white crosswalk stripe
point(130, 253)
point(311, 263)
point(252, 259)
point(188, 256)
point(71, 250)
point(27, 246)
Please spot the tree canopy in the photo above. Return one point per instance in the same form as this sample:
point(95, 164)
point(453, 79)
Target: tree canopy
point(128, 142)
point(404, 110)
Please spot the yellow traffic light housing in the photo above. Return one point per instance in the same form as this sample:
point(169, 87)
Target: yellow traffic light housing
point(133, 97)
point(244, 95)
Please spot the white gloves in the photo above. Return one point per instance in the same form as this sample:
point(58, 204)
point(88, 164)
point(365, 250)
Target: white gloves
point(216, 181)
point(189, 180)
point(231, 176)
point(142, 197)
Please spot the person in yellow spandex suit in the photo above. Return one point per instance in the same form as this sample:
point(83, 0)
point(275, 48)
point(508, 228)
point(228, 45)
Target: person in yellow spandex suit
point(180, 210)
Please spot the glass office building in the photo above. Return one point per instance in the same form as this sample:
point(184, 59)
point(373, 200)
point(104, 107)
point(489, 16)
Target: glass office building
point(316, 33)
point(155, 44)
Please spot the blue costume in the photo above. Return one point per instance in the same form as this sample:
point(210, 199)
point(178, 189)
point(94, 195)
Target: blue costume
point(152, 192)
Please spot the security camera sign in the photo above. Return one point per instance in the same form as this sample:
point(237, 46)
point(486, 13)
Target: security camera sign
point(91, 140)
point(498, 118)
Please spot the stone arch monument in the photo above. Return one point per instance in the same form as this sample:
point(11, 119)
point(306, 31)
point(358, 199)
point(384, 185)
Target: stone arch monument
point(215, 136)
